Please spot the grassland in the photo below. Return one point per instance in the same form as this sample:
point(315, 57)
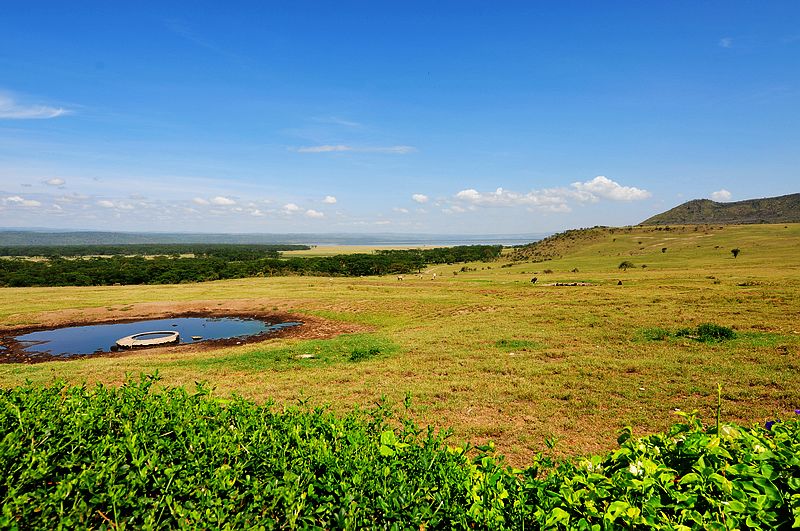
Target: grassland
point(492, 355)
point(333, 250)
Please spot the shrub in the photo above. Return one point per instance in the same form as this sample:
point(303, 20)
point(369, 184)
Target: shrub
point(707, 332)
point(713, 332)
point(130, 457)
point(359, 354)
point(655, 334)
point(626, 265)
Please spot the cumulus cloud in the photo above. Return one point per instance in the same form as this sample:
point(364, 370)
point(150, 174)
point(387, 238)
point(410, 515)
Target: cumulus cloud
point(721, 195)
point(605, 188)
point(10, 109)
point(55, 181)
point(290, 208)
point(119, 205)
point(548, 199)
point(222, 201)
point(553, 199)
point(21, 201)
point(725, 42)
point(420, 198)
point(333, 148)
point(454, 209)
point(200, 201)
point(329, 200)
point(311, 213)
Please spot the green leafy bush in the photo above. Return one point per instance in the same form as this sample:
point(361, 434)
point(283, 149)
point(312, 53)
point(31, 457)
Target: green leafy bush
point(707, 332)
point(131, 457)
point(655, 334)
point(359, 354)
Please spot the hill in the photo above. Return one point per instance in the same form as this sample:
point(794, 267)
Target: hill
point(781, 209)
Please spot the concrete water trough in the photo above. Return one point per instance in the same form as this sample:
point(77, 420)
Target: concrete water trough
point(149, 339)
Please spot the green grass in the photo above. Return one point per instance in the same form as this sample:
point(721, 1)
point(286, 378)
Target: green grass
point(579, 369)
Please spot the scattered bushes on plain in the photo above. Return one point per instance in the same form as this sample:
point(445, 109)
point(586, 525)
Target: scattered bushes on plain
point(706, 333)
point(655, 334)
point(359, 354)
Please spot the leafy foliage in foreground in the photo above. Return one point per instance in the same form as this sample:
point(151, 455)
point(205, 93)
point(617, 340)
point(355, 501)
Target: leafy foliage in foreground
point(131, 457)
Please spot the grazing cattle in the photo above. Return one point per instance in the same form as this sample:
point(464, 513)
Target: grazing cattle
point(533, 280)
point(399, 277)
point(433, 277)
point(619, 283)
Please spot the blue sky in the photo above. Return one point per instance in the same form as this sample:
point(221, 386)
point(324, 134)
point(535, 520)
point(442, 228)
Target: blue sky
point(429, 117)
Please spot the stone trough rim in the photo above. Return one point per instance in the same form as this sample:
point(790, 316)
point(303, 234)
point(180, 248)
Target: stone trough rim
point(132, 341)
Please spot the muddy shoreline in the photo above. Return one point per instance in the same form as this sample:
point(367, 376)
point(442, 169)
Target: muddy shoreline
point(310, 327)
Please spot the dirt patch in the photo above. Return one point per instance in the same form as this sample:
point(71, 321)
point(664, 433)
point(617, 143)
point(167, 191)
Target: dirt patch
point(311, 327)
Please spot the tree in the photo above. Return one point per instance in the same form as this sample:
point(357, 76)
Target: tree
point(626, 265)
point(735, 252)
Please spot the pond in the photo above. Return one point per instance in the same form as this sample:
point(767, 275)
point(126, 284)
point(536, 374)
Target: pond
point(91, 339)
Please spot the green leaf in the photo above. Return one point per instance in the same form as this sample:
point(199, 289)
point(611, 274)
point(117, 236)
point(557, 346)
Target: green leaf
point(689, 478)
point(386, 451)
point(388, 438)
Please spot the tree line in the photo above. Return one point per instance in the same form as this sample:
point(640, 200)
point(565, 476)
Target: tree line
point(226, 251)
point(121, 269)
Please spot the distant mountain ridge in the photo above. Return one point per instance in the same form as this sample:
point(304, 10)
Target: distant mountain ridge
point(781, 209)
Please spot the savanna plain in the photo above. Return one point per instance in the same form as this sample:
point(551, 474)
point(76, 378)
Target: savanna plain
point(481, 349)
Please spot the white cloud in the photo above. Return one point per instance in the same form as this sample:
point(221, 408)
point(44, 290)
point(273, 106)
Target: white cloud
point(400, 210)
point(721, 195)
point(604, 187)
point(726, 42)
point(553, 199)
point(311, 213)
point(21, 201)
point(329, 200)
point(454, 209)
point(256, 212)
point(324, 149)
point(10, 109)
point(290, 208)
point(119, 205)
point(55, 181)
point(222, 201)
point(329, 148)
point(420, 198)
point(338, 121)
point(548, 199)
point(200, 201)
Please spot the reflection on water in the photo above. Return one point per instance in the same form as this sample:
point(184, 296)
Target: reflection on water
point(77, 340)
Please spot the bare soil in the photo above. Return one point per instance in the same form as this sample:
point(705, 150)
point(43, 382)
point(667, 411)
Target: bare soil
point(311, 327)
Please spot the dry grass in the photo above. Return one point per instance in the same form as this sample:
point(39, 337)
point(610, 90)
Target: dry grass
point(492, 355)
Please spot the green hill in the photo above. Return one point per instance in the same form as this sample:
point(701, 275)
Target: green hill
point(782, 209)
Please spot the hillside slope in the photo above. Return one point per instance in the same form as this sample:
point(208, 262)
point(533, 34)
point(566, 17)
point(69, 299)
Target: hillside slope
point(781, 209)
